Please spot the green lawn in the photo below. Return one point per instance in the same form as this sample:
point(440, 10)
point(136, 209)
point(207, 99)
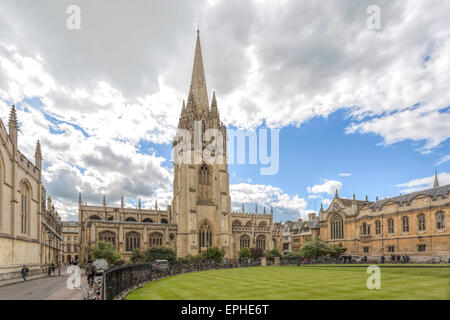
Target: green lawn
point(291, 282)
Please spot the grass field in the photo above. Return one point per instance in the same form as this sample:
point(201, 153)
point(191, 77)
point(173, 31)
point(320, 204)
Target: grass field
point(291, 282)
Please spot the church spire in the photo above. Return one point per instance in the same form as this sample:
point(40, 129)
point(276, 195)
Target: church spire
point(436, 181)
point(198, 81)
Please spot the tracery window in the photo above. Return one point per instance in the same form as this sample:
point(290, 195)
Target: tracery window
point(133, 241)
point(245, 241)
point(204, 182)
point(336, 226)
point(155, 239)
point(107, 236)
point(261, 242)
point(205, 235)
point(25, 206)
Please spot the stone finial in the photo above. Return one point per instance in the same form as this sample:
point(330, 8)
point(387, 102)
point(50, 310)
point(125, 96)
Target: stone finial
point(79, 198)
point(104, 201)
point(336, 195)
point(271, 210)
point(436, 181)
point(354, 197)
point(243, 208)
point(367, 198)
point(13, 126)
point(121, 202)
point(256, 209)
point(156, 204)
point(214, 108)
point(264, 209)
point(321, 206)
point(139, 203)
point(377, 198)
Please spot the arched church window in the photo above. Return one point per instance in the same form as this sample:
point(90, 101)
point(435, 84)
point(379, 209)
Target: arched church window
point(155, 239)
point(94, 217)
point(164, 221)
point(261, 242)
point(204, 182)
point(336, 226)
point(25, 206)
point(107, 236)
point(133, 241)
point(245, 241)
point(205, 235)
point(131, 219)
point(148, 220)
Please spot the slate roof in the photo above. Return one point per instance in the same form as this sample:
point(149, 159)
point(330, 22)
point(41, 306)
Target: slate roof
point(407, 198)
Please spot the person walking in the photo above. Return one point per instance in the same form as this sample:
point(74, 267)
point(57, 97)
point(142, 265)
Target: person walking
point(25, 271)
point(383, 259)
point(91, 270)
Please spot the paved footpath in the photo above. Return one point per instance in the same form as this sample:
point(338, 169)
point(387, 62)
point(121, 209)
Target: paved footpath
point(48, 288)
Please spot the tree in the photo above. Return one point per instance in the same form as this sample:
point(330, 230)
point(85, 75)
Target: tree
point(137, 256)
point(245, 253)
point(271, 254)
point(159, 253)
point(104, 250)
point(214, 254)
point(316, 248)
point(339, 250)
point(256, 253)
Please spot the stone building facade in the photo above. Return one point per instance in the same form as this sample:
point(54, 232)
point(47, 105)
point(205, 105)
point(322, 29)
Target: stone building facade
point(30, 231)
point(415, 224)
point(71, 242)
point(200, 215)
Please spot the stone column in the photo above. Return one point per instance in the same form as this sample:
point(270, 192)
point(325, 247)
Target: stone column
point(277, 261)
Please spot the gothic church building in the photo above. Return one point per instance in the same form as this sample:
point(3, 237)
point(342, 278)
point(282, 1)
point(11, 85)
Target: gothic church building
point(200, 215)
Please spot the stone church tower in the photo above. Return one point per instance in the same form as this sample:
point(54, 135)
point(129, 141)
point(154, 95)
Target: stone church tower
point(201, 199)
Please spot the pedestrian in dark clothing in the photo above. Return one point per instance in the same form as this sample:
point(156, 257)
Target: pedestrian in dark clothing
point(383, 258)
point(91, 270)
point(24, 272)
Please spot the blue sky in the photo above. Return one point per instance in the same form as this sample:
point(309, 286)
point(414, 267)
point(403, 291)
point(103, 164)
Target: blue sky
point(365, 111)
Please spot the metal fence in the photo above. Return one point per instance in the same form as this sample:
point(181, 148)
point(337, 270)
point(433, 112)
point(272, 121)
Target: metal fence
point(118, 280)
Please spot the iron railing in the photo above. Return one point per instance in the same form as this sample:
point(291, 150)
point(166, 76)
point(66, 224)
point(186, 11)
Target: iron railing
point(118, 280)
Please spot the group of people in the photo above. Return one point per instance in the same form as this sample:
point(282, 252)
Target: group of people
point(396, 258)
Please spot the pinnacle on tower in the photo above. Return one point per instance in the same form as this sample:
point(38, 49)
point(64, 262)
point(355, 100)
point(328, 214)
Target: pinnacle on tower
point(336, 194)
point(436, 181)
point(79, 198)
point(13, 117)
point(243, 209)
point(121, 202)
point(214, 103)
point(37, 153)
point(139, 203)
point(198, 81)
point(104, 201)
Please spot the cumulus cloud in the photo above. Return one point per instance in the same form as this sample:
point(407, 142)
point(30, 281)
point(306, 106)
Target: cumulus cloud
point(285, 206)
point(443, 159)
point(424, 183)
point(94, 94)
point(328, 187)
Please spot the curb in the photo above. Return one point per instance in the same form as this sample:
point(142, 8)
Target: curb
point(19, 280)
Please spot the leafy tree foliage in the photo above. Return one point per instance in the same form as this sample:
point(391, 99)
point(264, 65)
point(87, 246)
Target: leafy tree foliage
point(316, 248)
point(137, 256)
point(245, 253)
point(339, 249)
point(159, 253)
point(214, 254)
point(271, 254)
point(105, 250)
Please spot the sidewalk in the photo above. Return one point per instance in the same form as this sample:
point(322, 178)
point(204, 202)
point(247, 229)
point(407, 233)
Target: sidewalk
point(17, 280)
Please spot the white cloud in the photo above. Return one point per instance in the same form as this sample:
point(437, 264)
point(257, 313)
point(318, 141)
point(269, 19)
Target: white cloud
point(424, 183)
point(285, 206)
point(443, 159)
point(345, 174)
point(328, 187)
